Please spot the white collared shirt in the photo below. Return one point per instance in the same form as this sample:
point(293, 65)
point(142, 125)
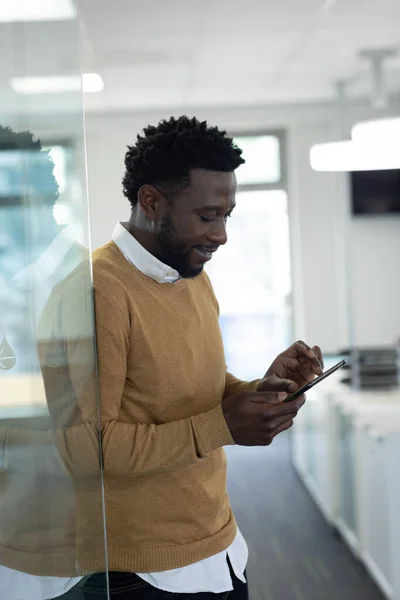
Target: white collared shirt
point(211, 574)
point(141, 258)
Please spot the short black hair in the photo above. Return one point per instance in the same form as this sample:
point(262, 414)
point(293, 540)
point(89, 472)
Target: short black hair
point(166, 154)
point(33, 167)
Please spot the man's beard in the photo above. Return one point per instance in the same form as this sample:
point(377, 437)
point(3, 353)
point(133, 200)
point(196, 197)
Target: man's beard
point(173, 253)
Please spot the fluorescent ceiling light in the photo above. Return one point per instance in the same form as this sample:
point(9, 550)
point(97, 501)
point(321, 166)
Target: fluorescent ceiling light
point(350, 156)
point(89, 82)
point(46, 85)
point(36, 10)
point(386, 131)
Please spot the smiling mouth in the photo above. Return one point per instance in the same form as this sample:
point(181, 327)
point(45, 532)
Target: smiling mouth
point(206, 253)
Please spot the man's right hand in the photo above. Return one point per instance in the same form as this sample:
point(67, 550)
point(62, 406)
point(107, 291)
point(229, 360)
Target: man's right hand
point(255, 418)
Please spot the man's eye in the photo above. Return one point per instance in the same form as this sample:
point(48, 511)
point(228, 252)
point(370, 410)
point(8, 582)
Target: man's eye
point(209, 219)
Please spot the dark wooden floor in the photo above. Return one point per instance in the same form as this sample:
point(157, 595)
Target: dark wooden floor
point(294, 555)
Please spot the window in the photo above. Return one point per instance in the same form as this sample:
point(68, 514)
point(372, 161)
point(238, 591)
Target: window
point(251, 275)
point(262, 155)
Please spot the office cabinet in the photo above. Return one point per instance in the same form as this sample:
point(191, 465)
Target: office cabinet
point(346, 449)
point(346, 520)
point(373, 506)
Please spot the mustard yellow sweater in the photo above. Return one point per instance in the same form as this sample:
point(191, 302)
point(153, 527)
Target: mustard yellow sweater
point(162, 378)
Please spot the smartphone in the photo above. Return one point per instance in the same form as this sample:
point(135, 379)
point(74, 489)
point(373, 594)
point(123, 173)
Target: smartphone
point(308, 386)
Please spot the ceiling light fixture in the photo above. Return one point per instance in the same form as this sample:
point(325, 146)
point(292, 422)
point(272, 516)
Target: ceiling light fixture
point(88, 82)
point(375, 144)
point(376, 58)
point(351, 156)
point(43, 10)
point(378, 131)
point(384, 131)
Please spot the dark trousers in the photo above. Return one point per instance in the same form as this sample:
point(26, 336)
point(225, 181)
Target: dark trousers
point(128, 586)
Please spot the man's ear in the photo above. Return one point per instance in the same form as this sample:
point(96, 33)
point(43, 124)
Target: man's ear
point(149, 199)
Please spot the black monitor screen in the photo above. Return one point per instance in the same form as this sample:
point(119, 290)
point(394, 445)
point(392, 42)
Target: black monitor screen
point(375, 192)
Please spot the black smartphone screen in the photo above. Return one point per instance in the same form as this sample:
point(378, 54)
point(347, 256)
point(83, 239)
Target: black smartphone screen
point(308, 386)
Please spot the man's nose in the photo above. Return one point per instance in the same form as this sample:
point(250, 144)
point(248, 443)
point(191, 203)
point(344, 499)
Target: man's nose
point(218, 234)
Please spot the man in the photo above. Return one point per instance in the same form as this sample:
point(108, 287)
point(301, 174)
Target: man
point(167, 404)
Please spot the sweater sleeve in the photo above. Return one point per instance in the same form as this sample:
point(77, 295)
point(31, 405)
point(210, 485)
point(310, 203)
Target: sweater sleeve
point(234, 386)
point(129, 448)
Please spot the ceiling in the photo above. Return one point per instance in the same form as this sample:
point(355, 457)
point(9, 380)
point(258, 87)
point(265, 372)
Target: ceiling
point(201, 53)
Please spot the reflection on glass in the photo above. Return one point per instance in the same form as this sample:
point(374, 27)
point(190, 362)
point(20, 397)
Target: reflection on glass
point(33, 245)
point(45, 10)
point(39, 523)
point(49, 444)
point(7, 355)
point(68, 209)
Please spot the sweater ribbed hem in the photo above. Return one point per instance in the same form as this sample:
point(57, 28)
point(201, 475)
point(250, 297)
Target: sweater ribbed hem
point(134, 560)
point(162, 558)
point(212, 430)
point(61, 564)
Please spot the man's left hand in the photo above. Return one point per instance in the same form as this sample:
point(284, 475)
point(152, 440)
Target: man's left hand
point(292, 369)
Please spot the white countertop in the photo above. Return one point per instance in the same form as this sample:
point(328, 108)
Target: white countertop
point(378, 410)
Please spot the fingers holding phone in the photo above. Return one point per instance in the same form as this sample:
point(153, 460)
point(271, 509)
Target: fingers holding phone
point(255, 418)
point(314, 382)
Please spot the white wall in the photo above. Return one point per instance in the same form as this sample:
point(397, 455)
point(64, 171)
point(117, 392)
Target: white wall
point(340, 278)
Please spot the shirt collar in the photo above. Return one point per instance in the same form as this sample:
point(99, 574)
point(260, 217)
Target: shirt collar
point(141, 258)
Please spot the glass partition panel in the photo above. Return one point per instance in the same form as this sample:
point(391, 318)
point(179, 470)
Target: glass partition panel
point(51, 509)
